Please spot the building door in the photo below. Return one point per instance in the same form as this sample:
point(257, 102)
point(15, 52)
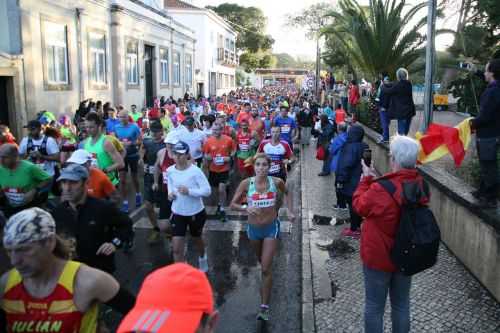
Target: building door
point(213, 84)
point(4, 104)
point(148, 74)
point(201, 90)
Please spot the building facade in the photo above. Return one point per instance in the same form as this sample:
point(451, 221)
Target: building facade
point(216, 57)
point(54, 54)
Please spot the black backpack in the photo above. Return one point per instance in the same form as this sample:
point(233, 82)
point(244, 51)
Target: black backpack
point(417, 239)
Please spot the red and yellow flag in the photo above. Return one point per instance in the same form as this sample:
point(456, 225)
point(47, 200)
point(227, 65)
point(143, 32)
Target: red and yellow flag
point(442, 139)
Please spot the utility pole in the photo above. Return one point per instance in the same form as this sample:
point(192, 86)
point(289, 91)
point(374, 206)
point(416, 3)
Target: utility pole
point(317, 67)
point(430, 55)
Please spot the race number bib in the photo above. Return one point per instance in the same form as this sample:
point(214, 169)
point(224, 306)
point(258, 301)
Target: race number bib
point(285, 129)
point(150, 169)
point(15, 196)
point(219, 160)
point(244, 146)
point(263, 200)
point(275, 168)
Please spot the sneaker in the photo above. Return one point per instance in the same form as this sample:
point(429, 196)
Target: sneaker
point(138, 200)
point(347, 232)
point(263, 314)
point(154, 237)
point(203, 263)
point(125, 207)
point(222, 216)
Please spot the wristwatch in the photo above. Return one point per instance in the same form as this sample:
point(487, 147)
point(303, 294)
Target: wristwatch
point(116, 242)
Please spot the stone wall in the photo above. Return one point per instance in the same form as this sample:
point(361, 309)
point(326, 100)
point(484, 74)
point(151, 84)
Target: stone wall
point(471, 233)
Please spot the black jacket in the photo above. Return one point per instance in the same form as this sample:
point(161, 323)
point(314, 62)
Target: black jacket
point(401, 104)
point(94, 223)
point(305, 119)
point(487, 123)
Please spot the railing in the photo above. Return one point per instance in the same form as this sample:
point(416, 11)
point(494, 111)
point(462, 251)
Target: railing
point(227, 57)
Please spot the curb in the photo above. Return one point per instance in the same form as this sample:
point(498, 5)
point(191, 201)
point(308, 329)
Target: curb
point(308, 318)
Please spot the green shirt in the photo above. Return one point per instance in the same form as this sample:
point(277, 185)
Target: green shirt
point(100, 157)
point(136, 116)
point(16, 183)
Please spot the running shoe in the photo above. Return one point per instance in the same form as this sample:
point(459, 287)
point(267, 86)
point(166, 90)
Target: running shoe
point(154, 237)
point(263, 314)
point(125, 207)
point(138, 200)
point(203, 263)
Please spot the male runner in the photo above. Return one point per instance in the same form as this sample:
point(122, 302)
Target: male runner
point(218, 150)
point(45, 292)
point(246, 147)
point(286, 124)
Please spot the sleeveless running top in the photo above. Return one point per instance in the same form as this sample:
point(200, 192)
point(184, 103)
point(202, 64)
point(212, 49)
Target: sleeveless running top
point(262, 200)
point(54, 313)
point(165, 164)
point(244, 145)
point(100, 158)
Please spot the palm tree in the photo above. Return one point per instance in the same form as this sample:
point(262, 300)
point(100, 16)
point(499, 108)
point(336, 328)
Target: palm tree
point(380, 37)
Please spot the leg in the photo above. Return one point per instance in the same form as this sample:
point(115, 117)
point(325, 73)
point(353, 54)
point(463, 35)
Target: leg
point(123, 184)
point(269, 248)
point(400, 302)
point(151, 213)
point(376, 287)
point(178, 248)
point(179, 227)
point(385, 125)
point(222, 194)
point(401, 126)
point(257, 246)
point(355, 218)
point(408, 125)
point(489, 178)
point(196, 225)
point(326, 162)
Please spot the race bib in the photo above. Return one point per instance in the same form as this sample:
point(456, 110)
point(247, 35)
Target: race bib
point(285, 129)
point(275, 168)
point(149, 169)
point(15, 196)
point(244, 146)
point(165, 178)
point(263, 200)
point(219, 160)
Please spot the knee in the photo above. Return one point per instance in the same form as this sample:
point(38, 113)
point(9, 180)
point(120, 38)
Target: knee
point(266, 272)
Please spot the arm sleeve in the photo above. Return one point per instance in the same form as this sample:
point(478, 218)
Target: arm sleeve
point(487, 111)
point(121, 224)
point(170, 181)
point(391, 90)
point(38, 174)
point(203, 189)
point(361, 197)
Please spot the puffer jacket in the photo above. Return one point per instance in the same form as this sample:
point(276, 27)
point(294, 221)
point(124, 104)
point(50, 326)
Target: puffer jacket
point(381, 213)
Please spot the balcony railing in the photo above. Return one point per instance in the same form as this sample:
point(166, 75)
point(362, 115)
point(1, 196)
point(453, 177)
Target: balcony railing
point(227, 57)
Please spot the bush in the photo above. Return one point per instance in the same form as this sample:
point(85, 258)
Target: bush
point(368, 114)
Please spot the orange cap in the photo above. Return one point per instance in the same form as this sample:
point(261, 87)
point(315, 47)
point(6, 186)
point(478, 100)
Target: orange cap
point(171, 299)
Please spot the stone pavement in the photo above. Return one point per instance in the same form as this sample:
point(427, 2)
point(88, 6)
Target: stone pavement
point(446, 298)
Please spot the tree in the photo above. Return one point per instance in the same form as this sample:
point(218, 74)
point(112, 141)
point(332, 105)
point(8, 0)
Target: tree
point(313, 18)
point(379, 37)
point(253, 44)
point(284, 60)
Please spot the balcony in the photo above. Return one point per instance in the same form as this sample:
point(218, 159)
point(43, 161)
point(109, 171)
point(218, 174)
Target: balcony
point(227, 57)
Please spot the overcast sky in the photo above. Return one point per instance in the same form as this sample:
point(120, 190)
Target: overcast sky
point(293, 41)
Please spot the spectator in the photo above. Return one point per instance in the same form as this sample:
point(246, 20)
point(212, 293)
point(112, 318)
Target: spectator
point(487, 126)
point(348, 174)
point(381, 213)
point(176, 298)
point(305, 120)
point(334, 150)
point(401, 106)
point(384, 101)
point(6, 136)
point(326, 134)
point(354, 99)
point(339, 114)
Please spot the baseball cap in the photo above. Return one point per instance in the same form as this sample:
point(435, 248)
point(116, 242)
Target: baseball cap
point(181, 148)
point(74, 172)
point(171, 138)
point(156, 126)
point(80, 156)
point(171, 299)
point(189, 121)
point(27, 226)
point(33, 124)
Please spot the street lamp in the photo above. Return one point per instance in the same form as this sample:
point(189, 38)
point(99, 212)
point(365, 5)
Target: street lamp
point(429, 65)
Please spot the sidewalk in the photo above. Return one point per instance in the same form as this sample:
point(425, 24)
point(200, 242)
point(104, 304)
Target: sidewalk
point(446, 298)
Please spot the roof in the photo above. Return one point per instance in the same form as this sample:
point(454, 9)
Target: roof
point(179, 4)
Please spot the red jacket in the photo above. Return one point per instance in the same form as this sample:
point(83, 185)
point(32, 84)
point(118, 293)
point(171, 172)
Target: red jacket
point(381, 214)
point(354, 95)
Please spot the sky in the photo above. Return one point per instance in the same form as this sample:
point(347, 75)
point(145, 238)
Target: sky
point(293, 41)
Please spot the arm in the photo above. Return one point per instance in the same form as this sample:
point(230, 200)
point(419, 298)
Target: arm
point(489, 105)
point(204, 189)
point(119, 223)
point(280, 184)
point(157, 174)
point(238, 195)
point(118, 162)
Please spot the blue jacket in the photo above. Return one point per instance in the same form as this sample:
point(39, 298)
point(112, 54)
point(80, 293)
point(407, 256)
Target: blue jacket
point(335, 147)
point(349, 167)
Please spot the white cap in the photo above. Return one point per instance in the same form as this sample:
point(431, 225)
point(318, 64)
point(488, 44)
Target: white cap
point(171, 138)
point(80, 156)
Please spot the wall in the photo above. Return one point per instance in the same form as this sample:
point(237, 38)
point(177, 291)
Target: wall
point(471, 233)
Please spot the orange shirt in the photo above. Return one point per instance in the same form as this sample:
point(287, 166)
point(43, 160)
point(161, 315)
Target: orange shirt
point(257, 125)
point(243, 116)
point(339, 116)
point(218, 149)
point(99, 185)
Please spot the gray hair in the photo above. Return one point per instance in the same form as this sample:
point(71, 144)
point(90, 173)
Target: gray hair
point(342, 127)
point(402, 74)
point(404, 151)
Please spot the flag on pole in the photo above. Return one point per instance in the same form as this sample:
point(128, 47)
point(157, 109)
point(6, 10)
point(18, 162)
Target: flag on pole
point(441, 140)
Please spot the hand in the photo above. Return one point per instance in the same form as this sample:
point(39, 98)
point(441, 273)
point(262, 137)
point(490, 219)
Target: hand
point(30, 195)
point(171, 196)
point(183, 190)
point(106, 249)
point(367, 170)
point(36, 154)
point(154, 187)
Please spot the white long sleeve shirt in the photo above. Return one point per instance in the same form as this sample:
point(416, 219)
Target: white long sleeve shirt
point(195, 180)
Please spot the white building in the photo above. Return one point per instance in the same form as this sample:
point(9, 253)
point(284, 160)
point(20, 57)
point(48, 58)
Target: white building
point(54, 54)
point(216, 58)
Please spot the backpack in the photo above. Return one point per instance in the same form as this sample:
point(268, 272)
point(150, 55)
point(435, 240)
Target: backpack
point(42, 148)
point(417, 239)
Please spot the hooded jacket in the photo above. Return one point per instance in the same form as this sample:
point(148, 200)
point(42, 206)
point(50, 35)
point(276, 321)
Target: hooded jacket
point(401, 104)
point(349, 164)
point(334, 149)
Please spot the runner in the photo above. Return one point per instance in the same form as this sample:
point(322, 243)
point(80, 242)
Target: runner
point(112, 121)
point(264, 195)
point(219, 149)
point(43, 278)
point(256, 124)
point(194, 138)
point(129, 135)
point(150, 149)
point(280, 153)
point(136, 115)
point(286, 124)
point(247, 146)
point(187, 185)
point(105, 156)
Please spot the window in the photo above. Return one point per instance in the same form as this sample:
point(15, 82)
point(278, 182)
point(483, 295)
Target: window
point(131, 63)
point(177, 68)
point(227, 43)
point(164, 68)
point(56, 53)
point(232, 83)
point(231, 46)
point(189, 70)
point(219, 80)
point(97, 50)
